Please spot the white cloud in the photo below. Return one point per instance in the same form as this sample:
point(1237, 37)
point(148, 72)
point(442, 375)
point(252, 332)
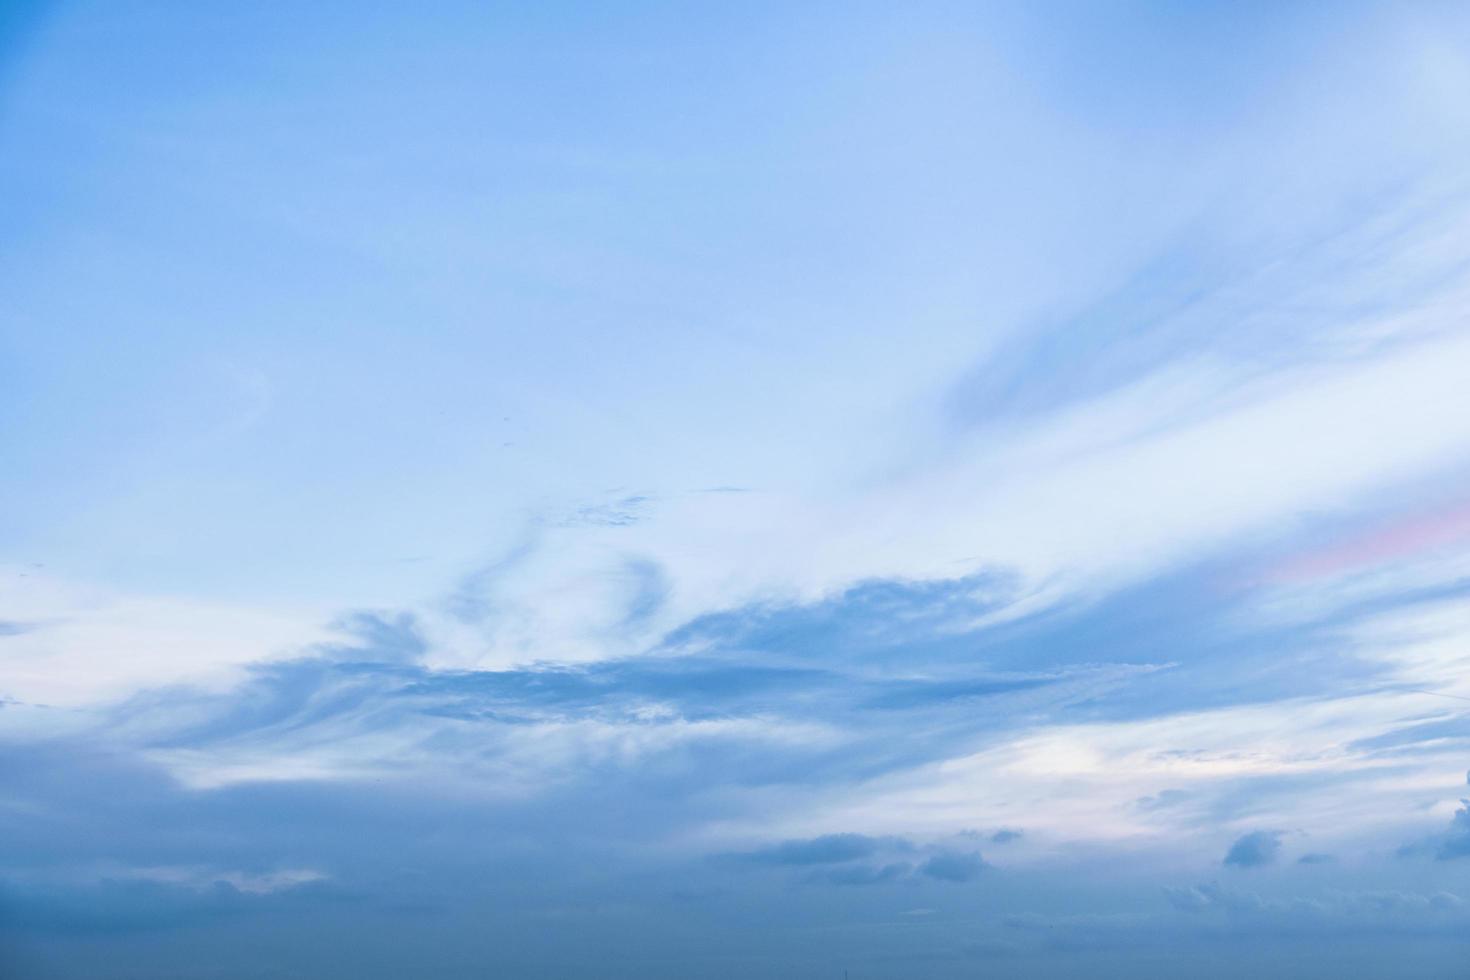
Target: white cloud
point(81, 645)
point(202, 878)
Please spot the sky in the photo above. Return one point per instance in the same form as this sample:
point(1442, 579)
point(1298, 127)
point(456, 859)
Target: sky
point(882, 491)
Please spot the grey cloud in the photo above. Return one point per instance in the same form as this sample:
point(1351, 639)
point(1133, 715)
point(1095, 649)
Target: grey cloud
point(863, 874)
point(1254, 850)
point(826, 849)
point(845, 859)
point(1456, 841)
point(955, 866)
point(1452, 844)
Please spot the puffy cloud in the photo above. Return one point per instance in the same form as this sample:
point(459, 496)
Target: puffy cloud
point(1456, 842)
point(1450, 845)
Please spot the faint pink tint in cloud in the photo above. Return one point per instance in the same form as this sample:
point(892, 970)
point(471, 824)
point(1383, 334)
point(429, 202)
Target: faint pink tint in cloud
point(1400, 537)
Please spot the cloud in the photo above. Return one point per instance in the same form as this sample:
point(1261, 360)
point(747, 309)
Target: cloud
point(70, 653)
point(1456, 842)
point(845, 859)
point(1391, 909)
point(863, 874)
point(1006, 836)
point(114, 898)
point(1449, 845)
point(370, 704)
point(1254, 850)
point(621, 512)
point(203, 878)
point(825, 694)
point(1162, 799)
point(826, 849)
point(378, 637)
point(954, 866)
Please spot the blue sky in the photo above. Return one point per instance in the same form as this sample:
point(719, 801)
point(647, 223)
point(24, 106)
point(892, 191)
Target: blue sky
point(570, 490)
